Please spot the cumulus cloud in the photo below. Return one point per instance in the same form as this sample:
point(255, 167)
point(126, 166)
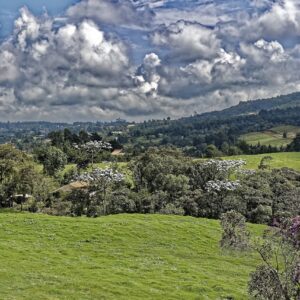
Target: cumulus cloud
point(8, 67)
point(75, 64)
point(187, 40)
point(120, 12)
point(282, 19)
point(147, 78)
point(143, 59)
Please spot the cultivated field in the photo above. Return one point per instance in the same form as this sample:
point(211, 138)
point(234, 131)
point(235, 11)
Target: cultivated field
point(118, 257)
point(273, 137)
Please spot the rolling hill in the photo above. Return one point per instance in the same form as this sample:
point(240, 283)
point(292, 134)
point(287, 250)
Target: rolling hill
point(194, 133)
point(118, 257)
point(253, 107)
point(279, 160)
point(273, 136)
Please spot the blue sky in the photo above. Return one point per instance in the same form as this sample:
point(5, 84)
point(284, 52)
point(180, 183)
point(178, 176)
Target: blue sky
point(9, 10)
point(142, 59)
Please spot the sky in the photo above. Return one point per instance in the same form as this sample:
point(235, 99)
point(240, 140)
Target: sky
point(98, 60)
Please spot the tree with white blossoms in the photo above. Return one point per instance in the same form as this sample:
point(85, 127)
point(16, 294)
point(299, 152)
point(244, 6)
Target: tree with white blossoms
point(97, 174)
point(99, 180)
point(222, 186)
point(219, 189)
point(212, 170)
point(94, 147)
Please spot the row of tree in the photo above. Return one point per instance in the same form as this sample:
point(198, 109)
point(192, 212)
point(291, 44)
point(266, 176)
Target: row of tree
point(166, 181)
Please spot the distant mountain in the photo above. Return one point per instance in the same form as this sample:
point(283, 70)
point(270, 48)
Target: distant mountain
point(255, 106)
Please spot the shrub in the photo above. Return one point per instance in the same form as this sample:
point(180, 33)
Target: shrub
point(278, 277)
point(171, 209)
point(235, 235)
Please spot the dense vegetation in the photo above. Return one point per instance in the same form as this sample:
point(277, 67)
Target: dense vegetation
point(214, 136)
point(161, 181)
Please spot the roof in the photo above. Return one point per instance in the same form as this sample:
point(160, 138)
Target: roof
point(117, 152)
point(72, 186)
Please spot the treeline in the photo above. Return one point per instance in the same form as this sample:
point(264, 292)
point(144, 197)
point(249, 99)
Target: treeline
point(160, 181)
point(67, 141)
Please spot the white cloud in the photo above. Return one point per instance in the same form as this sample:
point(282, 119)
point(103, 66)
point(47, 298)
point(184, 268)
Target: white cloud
point(120, 12)
point(147, 78)
point(187, 41)
point(8, 67)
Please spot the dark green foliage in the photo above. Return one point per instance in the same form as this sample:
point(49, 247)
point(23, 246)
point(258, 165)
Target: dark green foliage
point(53, 159)
point(163, 181)
point(166, 181)
point(20, 181)
point(295, 145)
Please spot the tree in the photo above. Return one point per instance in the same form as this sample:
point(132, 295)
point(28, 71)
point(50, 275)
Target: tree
point(235, 235)
point(11, 161)
point(202, 172)
point(279, 275)
point(99, 183)
point(265, 162)
point(151, 168)
point(25, 182)
point(295, 144)
point(94, 147)
point(212, 151)
point(52, 158)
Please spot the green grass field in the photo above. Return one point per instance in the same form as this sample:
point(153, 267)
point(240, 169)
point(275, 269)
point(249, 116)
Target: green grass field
point(118, 257)
point(280, 160)
point(273, 137)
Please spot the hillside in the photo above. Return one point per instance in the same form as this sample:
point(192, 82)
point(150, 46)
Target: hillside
point(219, 128)
point(255, 106)
point(279, 160)
point(117, 257)
point(272, 136)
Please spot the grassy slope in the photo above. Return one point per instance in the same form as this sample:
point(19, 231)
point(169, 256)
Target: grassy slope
point(117, 257)
point(280, 160)
point(272, 137)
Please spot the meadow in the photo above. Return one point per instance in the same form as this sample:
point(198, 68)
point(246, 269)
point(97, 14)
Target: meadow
point(273, 136)
point(280, 160)
point(118, 257)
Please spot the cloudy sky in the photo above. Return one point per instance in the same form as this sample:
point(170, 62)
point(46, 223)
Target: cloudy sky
point(141, 59)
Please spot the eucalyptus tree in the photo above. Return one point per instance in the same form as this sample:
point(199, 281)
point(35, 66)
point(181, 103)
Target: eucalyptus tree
point(202, 172)
point(99, 181)
point(94, 147)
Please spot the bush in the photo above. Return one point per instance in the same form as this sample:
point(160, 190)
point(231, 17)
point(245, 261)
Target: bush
point(171, 209)
point(235, 235)
point(278, 277)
